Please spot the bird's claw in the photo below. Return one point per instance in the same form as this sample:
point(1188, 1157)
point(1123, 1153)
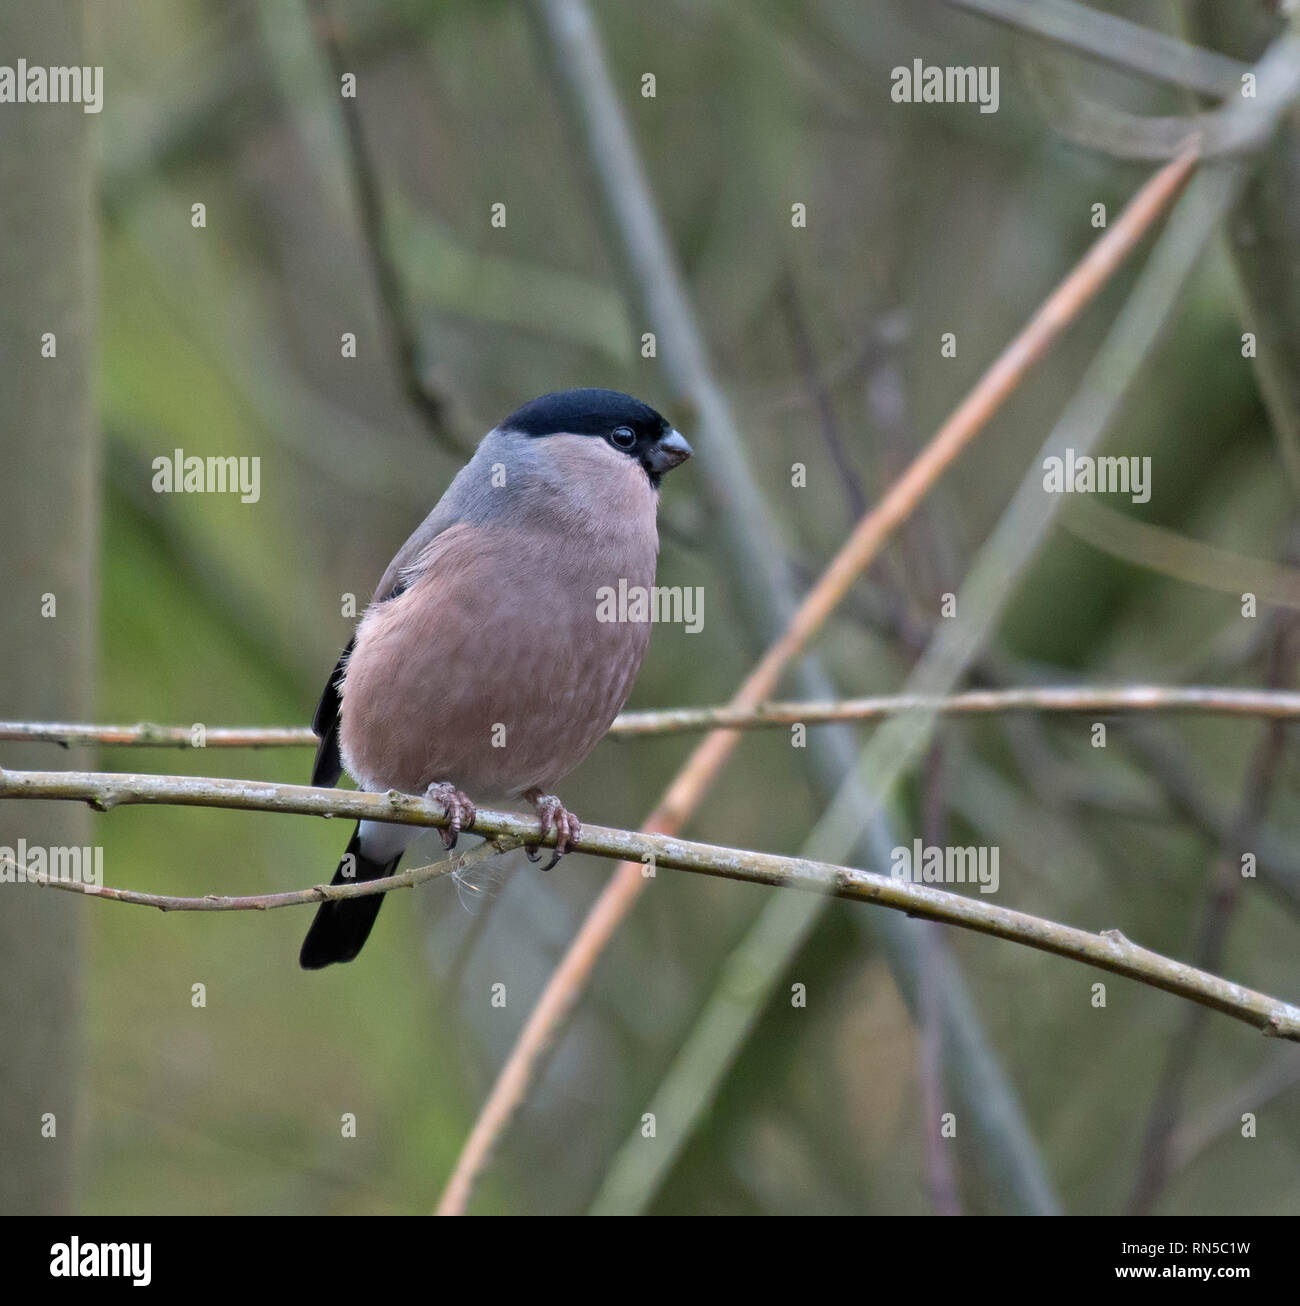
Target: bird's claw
point(553, 815)
point(460, 811)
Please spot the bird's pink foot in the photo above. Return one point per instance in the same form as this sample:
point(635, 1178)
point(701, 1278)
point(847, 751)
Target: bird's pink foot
point(458, 808)
point(553, 815)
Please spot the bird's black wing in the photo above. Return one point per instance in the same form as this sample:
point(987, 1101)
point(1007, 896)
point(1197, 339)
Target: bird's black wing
point(325, 724)
point(329, 765)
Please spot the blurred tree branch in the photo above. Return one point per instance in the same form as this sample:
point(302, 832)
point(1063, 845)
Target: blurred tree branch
point(1109, 950)
point(1241, 127)
point(49, 582)
point(1166, 761)
point(941, 1167)
point(218, 97)
point(1090, 32)
point(1171, 553)
point(1263, 234)
point(790, 305)
point(395, 312)
point(1193, 1137)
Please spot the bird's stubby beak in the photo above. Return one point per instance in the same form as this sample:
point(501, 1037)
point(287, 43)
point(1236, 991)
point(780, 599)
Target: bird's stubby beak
point(668, 452)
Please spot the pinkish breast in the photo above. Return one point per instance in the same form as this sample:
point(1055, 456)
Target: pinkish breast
point(492, 670)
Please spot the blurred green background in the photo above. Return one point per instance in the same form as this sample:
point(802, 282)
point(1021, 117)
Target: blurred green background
point(225, 340)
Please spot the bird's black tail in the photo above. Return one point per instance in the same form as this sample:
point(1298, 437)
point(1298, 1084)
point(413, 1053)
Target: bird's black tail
point(341, 927)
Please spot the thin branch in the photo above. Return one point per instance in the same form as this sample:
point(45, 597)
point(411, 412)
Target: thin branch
point(791, 306)
point(1107, 700)
point(1111, 700)
point(148, 735)
point(882, 337)
point(394, 311)
point(317, 894)
point(1109, 950)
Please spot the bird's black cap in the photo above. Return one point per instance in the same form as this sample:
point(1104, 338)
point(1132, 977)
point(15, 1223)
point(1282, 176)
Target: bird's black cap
point(585, 412)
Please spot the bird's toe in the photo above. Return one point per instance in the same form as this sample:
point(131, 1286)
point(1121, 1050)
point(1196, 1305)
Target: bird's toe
point(460, 812)
point(553, 815)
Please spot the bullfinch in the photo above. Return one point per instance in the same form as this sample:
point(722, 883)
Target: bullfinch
point(481, 666)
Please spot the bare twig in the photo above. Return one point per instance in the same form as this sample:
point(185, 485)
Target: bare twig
point(1109, 950)
point(796, 322)
point(1108, 700)
point(1212, 700)
point(879, 339)
point(147, 735)
point(318, 893)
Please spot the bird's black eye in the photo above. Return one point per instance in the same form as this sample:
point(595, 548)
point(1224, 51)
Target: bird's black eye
point(622, 437)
